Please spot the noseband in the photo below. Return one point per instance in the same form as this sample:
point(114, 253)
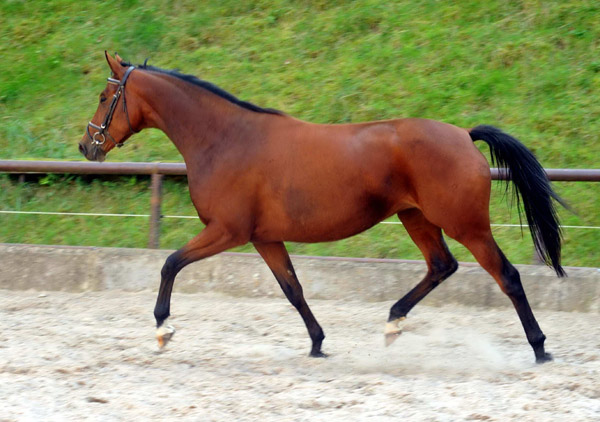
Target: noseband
point(99, 138)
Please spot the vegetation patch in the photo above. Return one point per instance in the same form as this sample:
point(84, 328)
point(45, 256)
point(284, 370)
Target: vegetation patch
point(529, 68)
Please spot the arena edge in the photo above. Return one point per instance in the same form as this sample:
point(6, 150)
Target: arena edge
point(81, 269)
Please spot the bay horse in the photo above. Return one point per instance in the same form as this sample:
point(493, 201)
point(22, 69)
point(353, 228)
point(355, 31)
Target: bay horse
point(259, 175)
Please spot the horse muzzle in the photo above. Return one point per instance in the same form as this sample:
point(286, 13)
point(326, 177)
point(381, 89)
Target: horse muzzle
point(92, 152)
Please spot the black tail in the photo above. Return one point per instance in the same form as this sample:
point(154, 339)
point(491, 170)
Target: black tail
point(532, 187)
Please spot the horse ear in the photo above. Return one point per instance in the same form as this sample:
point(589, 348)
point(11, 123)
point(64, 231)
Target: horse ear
point(114, 65)
point(119, 59)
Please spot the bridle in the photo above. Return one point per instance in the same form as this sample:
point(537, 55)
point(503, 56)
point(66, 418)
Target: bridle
point(99, 138)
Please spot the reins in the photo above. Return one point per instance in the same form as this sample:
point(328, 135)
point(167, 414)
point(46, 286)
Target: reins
point(99, 138)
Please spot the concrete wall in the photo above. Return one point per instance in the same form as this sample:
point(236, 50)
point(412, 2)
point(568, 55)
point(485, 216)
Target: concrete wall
point(78, 269)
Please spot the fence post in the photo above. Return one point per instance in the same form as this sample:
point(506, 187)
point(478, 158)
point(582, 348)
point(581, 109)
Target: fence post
point(155, 202)
point(20, 191)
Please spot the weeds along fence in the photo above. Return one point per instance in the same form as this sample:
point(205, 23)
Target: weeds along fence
point(157, 171)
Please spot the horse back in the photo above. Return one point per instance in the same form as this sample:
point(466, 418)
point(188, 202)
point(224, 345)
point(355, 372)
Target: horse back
point(327, 182)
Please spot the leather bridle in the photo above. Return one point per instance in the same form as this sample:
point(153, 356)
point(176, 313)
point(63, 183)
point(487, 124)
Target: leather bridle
point(99, 138)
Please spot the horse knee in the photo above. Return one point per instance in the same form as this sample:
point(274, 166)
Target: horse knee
point(451, 268)
point(170, 266)
point(441, 269)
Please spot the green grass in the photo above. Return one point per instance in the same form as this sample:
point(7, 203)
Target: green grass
point(531, 68)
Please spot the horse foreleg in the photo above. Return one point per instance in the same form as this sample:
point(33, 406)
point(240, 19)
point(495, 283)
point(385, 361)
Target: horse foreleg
point(278, 260)
point(212, 240)
point(440, 265)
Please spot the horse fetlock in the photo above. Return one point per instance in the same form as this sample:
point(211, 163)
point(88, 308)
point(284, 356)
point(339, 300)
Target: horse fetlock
point(392, 330)
point(164, 333)
point(392, 326)
point(317, 354)
point(537, 344)
point(543, 357)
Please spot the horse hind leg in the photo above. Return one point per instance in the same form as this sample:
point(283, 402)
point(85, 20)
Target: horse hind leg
point(440, 265)
point(484, 248)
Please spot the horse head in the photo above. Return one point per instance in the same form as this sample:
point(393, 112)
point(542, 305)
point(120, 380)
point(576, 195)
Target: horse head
point(117, 115)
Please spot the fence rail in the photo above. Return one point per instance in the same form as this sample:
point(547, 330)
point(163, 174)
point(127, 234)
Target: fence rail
point(178, 169)
point(158, 170)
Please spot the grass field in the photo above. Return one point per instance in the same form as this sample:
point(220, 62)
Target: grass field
point(529, 67)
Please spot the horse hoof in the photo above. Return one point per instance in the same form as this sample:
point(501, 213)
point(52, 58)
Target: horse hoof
point(392, 331)
point(547, 357)
point(318, 354)
point(391, 337)
point(164, 333)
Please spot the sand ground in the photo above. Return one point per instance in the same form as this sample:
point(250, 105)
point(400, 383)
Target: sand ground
point(93, 356)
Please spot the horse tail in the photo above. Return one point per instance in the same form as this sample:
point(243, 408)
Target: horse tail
point(532, 187)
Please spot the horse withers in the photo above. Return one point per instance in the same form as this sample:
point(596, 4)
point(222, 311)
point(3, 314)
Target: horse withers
point(259, 175)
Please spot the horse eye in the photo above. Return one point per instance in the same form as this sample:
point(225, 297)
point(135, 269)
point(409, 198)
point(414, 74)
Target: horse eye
point(102, 99)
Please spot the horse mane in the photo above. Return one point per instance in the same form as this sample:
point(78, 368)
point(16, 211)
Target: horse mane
point(208, 86)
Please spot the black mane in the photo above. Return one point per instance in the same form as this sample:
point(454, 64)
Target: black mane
point(208, 86)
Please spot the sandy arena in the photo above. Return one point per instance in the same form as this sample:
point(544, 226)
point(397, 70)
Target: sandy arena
point(93, 356)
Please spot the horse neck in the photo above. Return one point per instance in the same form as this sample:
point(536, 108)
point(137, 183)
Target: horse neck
point(195, 119)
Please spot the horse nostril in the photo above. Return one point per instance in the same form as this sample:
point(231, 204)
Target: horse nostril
point(82, 149)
